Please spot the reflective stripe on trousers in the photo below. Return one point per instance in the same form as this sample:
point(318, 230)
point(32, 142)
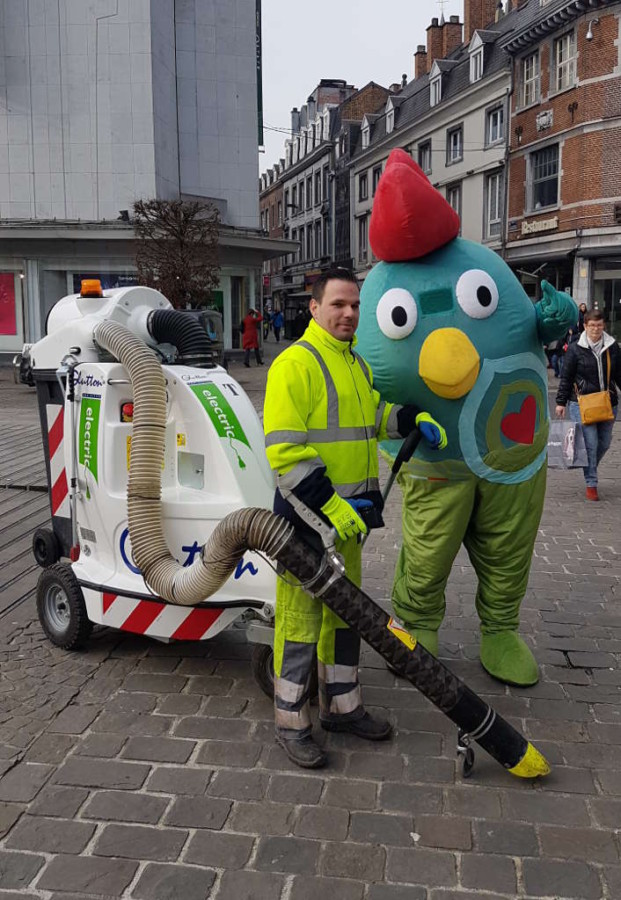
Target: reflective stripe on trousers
point(307, 631)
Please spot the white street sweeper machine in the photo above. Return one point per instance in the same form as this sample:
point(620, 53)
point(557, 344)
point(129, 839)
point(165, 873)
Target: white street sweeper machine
point(161, 500)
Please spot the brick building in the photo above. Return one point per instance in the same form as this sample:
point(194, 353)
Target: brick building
point(564, 205)
point(271, 214)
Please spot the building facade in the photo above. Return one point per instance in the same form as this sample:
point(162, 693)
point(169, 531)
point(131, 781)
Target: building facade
point(100, 107)
point(271, 212)
point(564, 218)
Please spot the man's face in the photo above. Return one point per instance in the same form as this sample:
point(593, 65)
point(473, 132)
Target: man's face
point(338, 313)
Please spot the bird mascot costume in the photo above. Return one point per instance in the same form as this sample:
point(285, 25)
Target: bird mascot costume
point(446, 325)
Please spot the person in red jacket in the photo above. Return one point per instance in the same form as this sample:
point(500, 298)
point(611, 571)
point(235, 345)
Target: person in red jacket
point(250, 338)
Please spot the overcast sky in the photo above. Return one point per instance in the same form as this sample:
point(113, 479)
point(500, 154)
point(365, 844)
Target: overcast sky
point(358, 40)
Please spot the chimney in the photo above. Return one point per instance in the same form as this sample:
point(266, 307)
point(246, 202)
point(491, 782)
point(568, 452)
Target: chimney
point(395, 87)
point(310, 103)
point(451, 36)
point(478, 14)
point(295, 120)
point(420, 61)
point(434, 42)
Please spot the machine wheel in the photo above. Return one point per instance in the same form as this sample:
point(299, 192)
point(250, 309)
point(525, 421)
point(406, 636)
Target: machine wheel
point(61, 607)
point(45, 547)
point(262, 663)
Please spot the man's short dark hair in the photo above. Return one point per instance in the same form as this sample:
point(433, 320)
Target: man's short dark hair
point(337, 273)
point(594, 315)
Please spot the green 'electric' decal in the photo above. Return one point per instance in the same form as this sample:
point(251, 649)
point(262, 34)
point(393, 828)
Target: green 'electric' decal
point(89, 430)
point(219, 411)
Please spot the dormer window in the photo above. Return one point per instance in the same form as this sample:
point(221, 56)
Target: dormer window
point(435, 90)
point(390, 116)
point(476, 65)
point(366, 135)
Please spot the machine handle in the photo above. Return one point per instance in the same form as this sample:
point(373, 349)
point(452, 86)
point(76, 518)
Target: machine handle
point(407, 450)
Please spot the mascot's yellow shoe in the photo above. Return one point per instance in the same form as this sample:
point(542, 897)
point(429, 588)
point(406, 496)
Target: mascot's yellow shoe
point(506, 657)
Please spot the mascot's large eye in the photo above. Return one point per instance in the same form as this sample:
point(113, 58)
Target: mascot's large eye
point(477, 294)
point(397, 314)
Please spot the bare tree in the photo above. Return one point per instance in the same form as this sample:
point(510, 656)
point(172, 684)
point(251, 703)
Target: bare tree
point(177, 249)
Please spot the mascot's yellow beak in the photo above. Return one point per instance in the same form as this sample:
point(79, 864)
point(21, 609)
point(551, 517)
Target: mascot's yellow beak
point(448, 363)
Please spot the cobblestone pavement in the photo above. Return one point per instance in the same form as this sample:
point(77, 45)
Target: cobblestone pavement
point(141, 770)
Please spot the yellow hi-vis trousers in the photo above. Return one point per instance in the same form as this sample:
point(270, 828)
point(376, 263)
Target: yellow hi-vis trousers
point(304, 627)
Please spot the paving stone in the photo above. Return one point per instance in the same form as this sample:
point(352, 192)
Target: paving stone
point(219, 849)
point(88, 875)
point(238, 785)
point(140, 842)
point(478, 871)
point(606, 813)
point(226, 707)
point(381, 828)
point(612, 877)
point(102, 746)
point(553, 878)
point(198, 812)
point(9, 814)
point(58, 801)
point(166, 882)
point(180, 704)
point(423, 769)
point(305, 888)
point(590, 844)
point(17, 870)
point(396, 892)
point(229, 753)
point(609, 779)
point(74, 719)
point(155, 684)
point(432, 868)
point(158, 749)
point(409, 798)
point(323, 823)
point(569, 780)
point(262, 818)
point(157, 664)
point(381, 766)
point(538, 807)
point(208, 685)
point(50, 835)
point(122, 806)
point(250, 886)
point(171, 780)
point(117, 721)
point(106, 774)
point(509, 838)
point(475, 801)
point(444, 832)
point(218, 729)
point(591, 660)
point(298, 789)
point(50, 748)
point(24, 782)
point(441, 894)
point(292, 855)
point(18, 895)
point(365, 862)
point(350, 794)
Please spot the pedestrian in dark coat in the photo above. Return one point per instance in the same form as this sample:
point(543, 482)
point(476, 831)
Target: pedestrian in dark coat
point(586, 365)
point(250, 337)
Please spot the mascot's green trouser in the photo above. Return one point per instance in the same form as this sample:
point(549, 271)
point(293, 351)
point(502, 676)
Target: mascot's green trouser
point(303, 627)
point(497, 523)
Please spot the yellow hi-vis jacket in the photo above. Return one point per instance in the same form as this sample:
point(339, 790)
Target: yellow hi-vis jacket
point(321, 411)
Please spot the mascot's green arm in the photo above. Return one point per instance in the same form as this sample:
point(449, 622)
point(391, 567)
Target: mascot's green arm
point(556, 313)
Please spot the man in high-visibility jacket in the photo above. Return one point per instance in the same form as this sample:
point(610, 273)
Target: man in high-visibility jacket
point(322, 420)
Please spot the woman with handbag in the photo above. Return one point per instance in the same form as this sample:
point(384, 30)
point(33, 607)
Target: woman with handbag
point(589, 380)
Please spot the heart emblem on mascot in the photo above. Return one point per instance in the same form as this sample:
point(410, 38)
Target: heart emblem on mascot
point(519, 427)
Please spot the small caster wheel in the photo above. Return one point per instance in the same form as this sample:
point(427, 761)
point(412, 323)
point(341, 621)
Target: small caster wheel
point(262, 663)
point(45, 547)
point(61, 607)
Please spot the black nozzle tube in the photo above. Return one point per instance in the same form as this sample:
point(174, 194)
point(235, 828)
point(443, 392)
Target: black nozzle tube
point(185, 333)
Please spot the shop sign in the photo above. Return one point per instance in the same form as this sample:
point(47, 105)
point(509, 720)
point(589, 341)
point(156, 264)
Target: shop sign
point(539, 225)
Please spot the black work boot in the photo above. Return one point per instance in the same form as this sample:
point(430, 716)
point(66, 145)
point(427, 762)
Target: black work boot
point(366, 727)
point(303, 752)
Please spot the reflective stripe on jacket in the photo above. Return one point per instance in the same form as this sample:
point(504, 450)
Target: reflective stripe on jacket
point(321, 410)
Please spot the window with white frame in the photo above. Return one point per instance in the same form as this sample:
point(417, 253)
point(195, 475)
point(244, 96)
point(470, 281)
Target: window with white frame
point(453, 195)
point(318, 250)
point(366, 136)
point(362, 239)
point(424, 157)
point(390, 121)
point(294, 199)
point(454, 145)
point(302, 244)
point(309, 191)
point(493, 204)
point(377, 174)
point(530, 79)
point(495, 125)
point(476, 65)
point(309, 241)
point(317, 187)
point(363, 187)
point(565, 61)
point(280, 212)
point(435, 91)
point(296, 253)
point(544, 177)
point(326, 236)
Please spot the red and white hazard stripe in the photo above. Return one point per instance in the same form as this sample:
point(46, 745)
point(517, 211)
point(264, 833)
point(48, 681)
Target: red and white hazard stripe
point(156, 619)
point(59, 489)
